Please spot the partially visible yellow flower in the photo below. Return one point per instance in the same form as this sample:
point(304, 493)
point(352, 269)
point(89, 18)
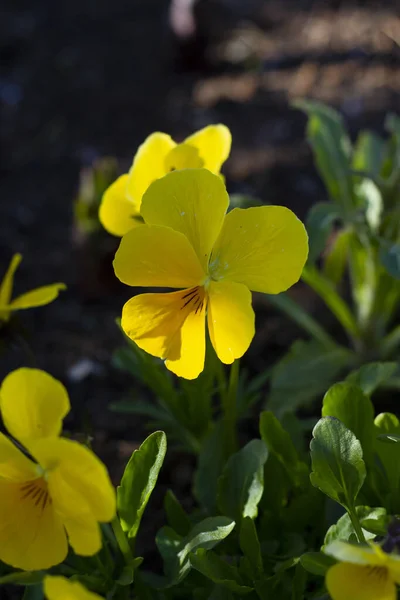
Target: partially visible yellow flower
point(38, 297)
point(364, 573)
point(60, 588)
point(60, 492)
point(157, 156)
point(188, 241)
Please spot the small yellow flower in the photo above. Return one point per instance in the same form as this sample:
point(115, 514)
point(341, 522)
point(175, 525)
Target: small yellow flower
point(157, 156)
point(60, 588)
point(39, 297)
point(60, 492)
point(365, 573)
point(188, 241)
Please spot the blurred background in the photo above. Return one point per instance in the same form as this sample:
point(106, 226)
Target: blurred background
point(86, 79)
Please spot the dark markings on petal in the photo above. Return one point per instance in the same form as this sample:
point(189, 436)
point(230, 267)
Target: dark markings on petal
point(28, 485)
point(28, 492)
point(191, 292)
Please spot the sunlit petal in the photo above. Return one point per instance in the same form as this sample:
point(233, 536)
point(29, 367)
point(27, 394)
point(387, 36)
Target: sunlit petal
point(33, 404)
point(170, 326)
point(362, 555)
point(230, 319)
point(38, 297)
point(157, 256)
point(264, 247)
point(214, 145)
point(59, 588)
point(14, 465)
point(118, 213)
point(346, 581)
point(183, 157)
point(148, 164)
point(6, 285)
point(191, 201)
point(32, 535)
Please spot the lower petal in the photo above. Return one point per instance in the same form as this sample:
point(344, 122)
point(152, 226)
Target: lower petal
point(32, 536)
point(170, 326)
point(346, 581)
point(60, 588)
point(84, 534)
point(230, 319)
point(118, 213)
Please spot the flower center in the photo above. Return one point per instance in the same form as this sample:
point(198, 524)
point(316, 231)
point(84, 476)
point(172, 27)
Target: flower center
point(194, 299)
point(37, 492)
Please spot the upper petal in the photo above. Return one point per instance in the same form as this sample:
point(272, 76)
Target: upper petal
point(361, 555)
point(38, 297)
point(33, 404)
point(191, 201)
point(60, 588)
point(118, 213)
point(6, 285)
point(214, 145)
point(148, 164)
point(264, 247)
point(170, 326)
point(230, 319)
point(346, 581)
point(157, 256)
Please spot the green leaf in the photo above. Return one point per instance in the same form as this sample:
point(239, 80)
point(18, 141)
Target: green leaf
point(338, 469)
point(219, 571)
point(336, 257)
point(22, 578)
point(138, 481)
point(241, 483)
point(299, 582)
point(332, 150)
point(344, 530)
point(369, 152)
point(389, 456)
point(211, 460)
point(390, 438)
point(316, 563)
point(250, 546)
point(370, 376)
point(33, 592)
point(346, 402)
point(176, 516)
point(319, 225)
point(303, 374)
point(389, 255)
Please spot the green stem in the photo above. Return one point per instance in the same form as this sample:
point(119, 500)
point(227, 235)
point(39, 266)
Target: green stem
point(357, 527)
point(229, 405)
point(122, 540)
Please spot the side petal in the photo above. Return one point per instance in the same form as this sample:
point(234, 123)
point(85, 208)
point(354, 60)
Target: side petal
point(78, 481)
point(118, 213)
point(32, 536)
point(170, 326)
point(360, 555)
point(39, 297)
point(230, 319)
point(346, 581)
point(214, 145)
point(84, 534)
point(14, 465)
point(157, 256)
point(191, 201)
point(33, 404)
point(148, 164)
point(264, 247)
point(6, 285)
point(57, 587)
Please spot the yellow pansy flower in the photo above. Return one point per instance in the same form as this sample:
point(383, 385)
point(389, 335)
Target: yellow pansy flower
point(38, 297)
point(58, 490)
point(364, 573)
point(157, 156)
point(60, 588)
point(189, 242)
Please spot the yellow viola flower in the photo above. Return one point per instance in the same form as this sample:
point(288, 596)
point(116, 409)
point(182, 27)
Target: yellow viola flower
point(39, 297)
point(56, 490)
point(157, 156)
point(60, 588)
point(364, 573)
point(214, 259)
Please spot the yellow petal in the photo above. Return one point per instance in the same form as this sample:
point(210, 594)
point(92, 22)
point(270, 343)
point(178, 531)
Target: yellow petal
point(264, 247)
point(32, 536)
point(118, 213)
point(84, 534)
point(8, 280)
point(148, 164)
point(39, 297)
point(346, 581)
point(362, 555)
point(14, 465)
point(230, 319)
point(78, 480)
point(60, 588)
point(157, 256)
point(170, 326)
point(183, 157)
point(33, 404)
point(214, 145)
point(191, 201)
